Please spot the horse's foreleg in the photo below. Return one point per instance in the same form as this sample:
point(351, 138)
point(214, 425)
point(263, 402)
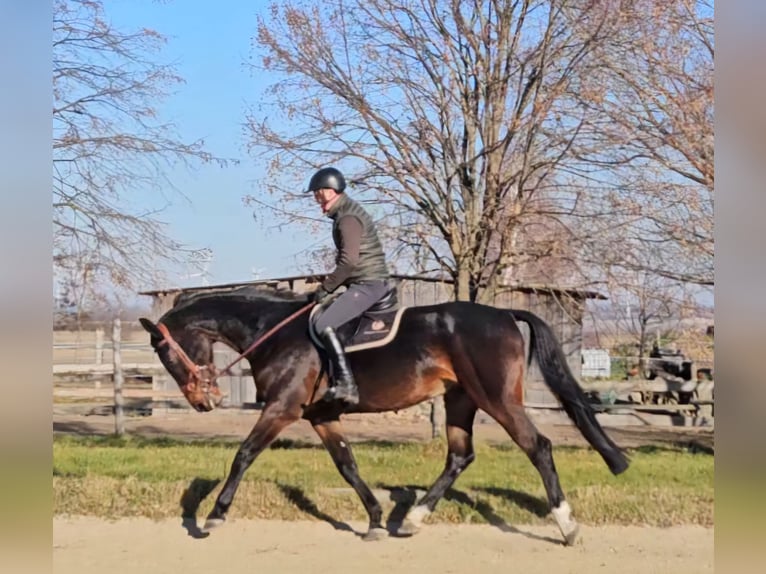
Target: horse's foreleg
point(270, 424)
point(335, 442)
point(460, 411)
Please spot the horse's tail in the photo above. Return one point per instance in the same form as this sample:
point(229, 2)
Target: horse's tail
point(559, 378)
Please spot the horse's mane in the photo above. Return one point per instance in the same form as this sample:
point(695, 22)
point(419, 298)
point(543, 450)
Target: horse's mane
point(247, 293)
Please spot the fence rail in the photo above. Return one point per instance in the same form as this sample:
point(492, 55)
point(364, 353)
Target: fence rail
point(107, 393)
point(106, 360)
point(104, 368)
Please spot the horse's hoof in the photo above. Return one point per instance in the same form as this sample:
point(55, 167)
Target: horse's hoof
point(375, 534)
point(571, 537)
point(407, 528)
point(568, 526)
point(212, 523)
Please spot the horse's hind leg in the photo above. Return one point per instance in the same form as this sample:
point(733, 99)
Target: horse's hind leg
point(336, 444)
point(537, 447)
point(460, 410)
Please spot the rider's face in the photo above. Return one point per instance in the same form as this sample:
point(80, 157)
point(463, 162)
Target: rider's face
point(325, 197)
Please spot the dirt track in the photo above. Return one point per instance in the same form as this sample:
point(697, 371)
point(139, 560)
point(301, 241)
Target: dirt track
point(237, 424)
point(90, 545)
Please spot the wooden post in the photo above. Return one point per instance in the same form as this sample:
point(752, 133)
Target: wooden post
point(119, 415)
point(99, 353)
point(705, 391)
point(438, 417)
point(99, 346)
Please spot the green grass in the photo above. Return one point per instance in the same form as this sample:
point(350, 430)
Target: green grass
point(161, 478)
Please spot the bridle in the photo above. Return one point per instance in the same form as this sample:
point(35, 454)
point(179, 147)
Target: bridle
point(196, 381)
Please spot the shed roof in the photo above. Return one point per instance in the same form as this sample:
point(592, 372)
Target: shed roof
point(526, 288)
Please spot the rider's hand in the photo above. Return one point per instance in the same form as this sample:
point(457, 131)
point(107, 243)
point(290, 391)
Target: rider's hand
point(319, 295)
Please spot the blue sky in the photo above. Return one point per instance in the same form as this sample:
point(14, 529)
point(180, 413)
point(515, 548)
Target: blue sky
point(209, 42)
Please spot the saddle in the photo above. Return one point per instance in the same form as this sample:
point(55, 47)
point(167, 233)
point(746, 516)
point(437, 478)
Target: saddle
point(374, 328)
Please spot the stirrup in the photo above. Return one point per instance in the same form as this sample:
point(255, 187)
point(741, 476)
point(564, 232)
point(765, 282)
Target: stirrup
point(345, 393)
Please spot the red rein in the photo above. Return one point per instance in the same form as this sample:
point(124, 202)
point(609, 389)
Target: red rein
point(195, 370)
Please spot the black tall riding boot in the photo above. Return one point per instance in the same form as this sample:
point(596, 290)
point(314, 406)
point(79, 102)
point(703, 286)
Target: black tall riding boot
point(343, 387)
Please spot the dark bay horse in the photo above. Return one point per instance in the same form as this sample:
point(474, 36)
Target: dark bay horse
point(472, 354)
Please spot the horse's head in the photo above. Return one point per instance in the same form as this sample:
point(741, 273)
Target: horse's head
point(187, 355)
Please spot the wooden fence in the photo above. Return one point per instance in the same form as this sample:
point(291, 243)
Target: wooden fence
point(115, 369)
point(105, 361)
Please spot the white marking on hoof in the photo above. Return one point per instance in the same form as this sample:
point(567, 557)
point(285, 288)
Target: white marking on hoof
point(416, 515)
point(212, 523)
point(407, 528)
point(375, 534)
point(568, 526)
point(573, 536)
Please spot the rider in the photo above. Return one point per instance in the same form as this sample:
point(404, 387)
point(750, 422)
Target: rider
point(360, 266)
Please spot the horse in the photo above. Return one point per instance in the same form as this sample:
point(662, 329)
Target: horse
point(472, 354)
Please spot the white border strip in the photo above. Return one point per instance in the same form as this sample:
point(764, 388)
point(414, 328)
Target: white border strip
point(372, 344)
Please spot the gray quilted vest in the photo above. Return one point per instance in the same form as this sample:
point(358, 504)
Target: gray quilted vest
point(372, 260)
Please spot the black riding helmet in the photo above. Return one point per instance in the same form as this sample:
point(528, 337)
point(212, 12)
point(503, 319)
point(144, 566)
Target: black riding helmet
point(327, 177)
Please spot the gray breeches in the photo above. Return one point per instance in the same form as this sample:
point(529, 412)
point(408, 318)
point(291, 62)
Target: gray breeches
point(350, 304)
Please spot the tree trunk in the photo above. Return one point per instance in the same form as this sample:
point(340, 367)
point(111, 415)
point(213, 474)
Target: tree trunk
point(463, 283)
point(642, 363)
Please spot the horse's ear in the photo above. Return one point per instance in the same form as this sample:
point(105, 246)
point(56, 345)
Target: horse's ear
point(150, 327)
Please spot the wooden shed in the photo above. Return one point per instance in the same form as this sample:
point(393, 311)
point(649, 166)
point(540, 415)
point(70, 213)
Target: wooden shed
point(561, 308)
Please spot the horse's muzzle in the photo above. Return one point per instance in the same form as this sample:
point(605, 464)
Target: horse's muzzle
point(205, 402)
point(202, 395)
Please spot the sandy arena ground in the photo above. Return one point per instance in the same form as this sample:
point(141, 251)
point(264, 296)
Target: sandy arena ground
point(84, 545)
point(91, 545)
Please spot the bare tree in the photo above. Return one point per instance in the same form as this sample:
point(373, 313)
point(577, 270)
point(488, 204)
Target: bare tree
point(643, 305)
point(452, 117)
point(108, 143)
point(650, 165)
